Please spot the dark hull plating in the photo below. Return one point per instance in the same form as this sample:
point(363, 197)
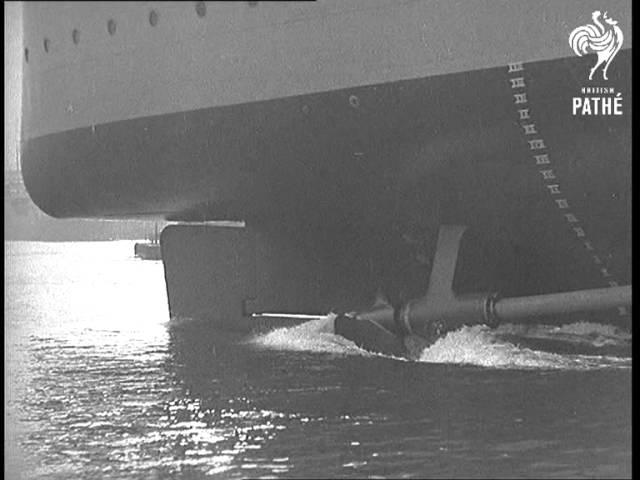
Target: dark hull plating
point(381, 165)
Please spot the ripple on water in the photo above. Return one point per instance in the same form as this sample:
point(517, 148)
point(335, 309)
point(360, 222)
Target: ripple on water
point(103, 390)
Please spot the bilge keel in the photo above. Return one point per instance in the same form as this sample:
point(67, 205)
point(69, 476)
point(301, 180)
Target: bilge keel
point(390, 159)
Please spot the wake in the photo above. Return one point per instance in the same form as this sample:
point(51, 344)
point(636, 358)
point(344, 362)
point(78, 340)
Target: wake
point(506, 347)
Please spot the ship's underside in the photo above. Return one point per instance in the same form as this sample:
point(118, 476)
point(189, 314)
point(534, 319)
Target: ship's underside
point(348, 188)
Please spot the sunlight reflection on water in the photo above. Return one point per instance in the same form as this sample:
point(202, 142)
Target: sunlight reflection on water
point(99, 383)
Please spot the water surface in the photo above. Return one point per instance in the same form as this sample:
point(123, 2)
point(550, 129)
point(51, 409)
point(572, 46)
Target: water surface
point(100, 383)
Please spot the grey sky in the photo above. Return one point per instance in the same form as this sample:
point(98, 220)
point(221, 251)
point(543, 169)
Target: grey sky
point(12, 80)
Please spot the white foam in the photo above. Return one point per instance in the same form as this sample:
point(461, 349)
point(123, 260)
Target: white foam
point(478, 345)
point(313, 336)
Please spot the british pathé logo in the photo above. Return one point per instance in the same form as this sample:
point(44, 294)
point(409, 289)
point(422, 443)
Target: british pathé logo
point(601, 101)
point(603, 40)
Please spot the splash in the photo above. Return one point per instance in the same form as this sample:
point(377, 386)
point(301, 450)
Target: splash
point(481, 346)
point(313, 336)
point(478, 345)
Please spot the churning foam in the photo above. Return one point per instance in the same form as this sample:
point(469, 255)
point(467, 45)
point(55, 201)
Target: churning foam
point(313, 336)
point(478, 345)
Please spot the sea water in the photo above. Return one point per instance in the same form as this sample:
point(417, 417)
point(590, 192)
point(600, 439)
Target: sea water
point(101, 383)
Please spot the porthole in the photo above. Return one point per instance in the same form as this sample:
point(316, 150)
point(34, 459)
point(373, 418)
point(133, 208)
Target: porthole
point(111, 26)
point(201, 9)
point(75, 36)
point(153, 18)
point(354, 101)
point(26, 55)
point(46, 44)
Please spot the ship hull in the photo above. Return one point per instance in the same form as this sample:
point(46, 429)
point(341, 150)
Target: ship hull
point(365, 174)
point(383, 159)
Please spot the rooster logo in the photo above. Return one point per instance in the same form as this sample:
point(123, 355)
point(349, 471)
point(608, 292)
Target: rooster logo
point(605, 41)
